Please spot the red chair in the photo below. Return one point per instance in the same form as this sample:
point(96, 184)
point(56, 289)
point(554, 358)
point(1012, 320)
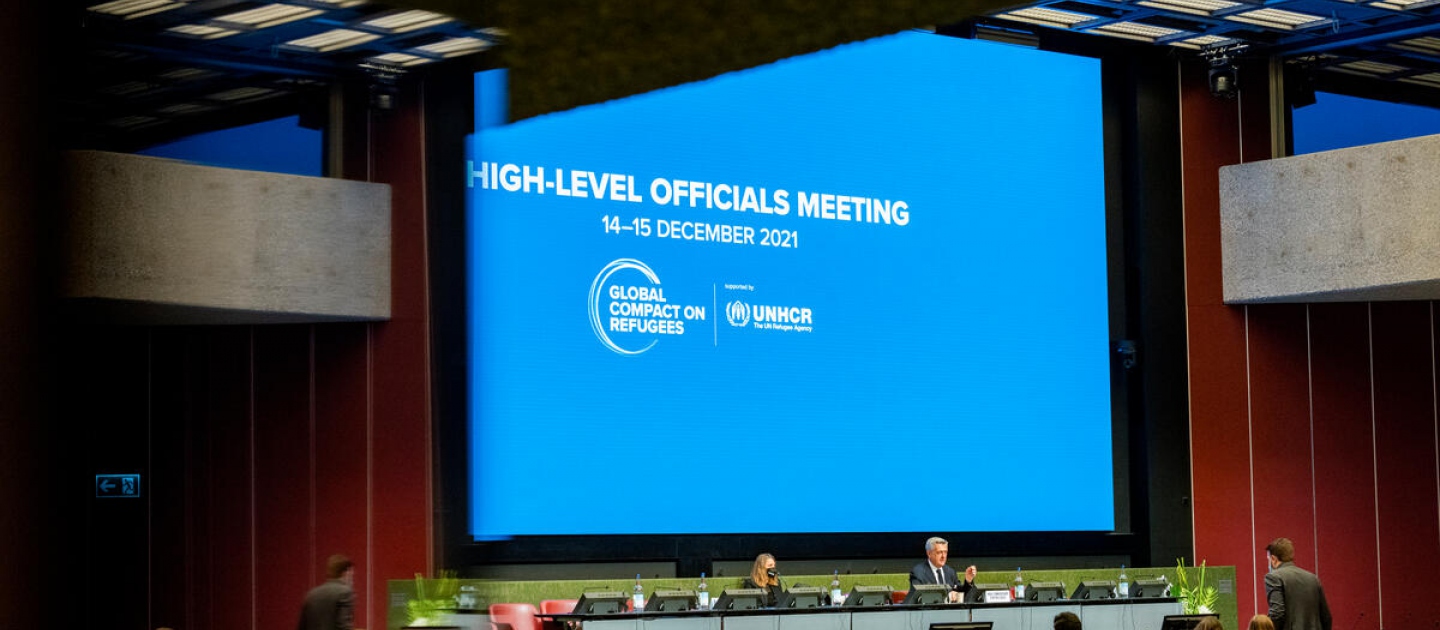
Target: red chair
point(557, 606)
point(897, 597)
point(515, 616)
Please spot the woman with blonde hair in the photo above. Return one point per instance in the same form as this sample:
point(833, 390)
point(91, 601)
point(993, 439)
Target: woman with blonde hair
point(1261, 622)
point(1209, 623)
point(763, 575)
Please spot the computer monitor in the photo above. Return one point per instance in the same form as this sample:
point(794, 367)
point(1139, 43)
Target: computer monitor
point(671, 601)
point(802, 597)
point(1181, 622)
point(740, 599)
point(928, 594)
point(976, 595)
point(963, 625)
point(868, 596)
point(1094, 589)
point(601, 603)
point(1157, 587)
point(1045, 591)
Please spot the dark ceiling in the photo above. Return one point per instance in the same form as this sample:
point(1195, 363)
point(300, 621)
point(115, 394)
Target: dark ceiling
point(150, 70)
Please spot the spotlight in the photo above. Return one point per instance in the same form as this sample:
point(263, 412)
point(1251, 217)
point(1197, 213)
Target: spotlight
point(1222, 81)
point(1224, 77)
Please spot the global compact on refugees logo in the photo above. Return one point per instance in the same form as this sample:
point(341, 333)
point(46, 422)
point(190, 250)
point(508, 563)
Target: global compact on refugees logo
point(629, 310)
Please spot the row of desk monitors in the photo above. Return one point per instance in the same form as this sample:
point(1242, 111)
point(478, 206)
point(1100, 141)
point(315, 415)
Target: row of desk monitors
point(609, 602)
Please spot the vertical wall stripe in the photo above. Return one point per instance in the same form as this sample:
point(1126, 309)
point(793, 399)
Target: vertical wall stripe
point(1310, 413)
point(254, 544)
point(1185, 290)
point(370, 619)
point(149, 494)
point(1375, 458)
point(312, 550)
point(1250, 444)
point(1435, 413)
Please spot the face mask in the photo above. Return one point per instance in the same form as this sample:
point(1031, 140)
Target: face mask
point(770, 572)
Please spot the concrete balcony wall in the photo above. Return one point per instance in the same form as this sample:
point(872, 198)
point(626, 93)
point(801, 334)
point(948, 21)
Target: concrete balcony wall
point(157, 241)
point(1352, 225)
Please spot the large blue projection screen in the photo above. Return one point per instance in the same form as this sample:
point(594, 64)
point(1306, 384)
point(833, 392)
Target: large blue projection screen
point(857, 291)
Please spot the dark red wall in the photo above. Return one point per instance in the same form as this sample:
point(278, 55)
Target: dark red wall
point(1313, 422)
point(263, 449)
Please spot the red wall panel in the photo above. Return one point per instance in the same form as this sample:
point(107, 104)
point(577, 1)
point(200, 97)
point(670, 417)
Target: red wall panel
point(1409, 517)
point(282, 467)
point(1344, 553)
point(229, 538)
point(341, 508)
point(1280, 450)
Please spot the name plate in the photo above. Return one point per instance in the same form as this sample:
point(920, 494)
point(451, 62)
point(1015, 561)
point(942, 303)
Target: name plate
point(997, 597)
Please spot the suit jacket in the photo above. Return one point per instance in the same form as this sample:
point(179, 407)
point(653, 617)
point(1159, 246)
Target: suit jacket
point(330, 606)
point(922, 574)
point(1297, 602)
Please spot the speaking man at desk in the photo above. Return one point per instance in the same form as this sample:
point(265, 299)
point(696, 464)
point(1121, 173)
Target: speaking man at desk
point(934, 571)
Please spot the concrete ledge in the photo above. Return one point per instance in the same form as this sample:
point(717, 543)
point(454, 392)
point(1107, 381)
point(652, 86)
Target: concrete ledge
point(1358, 224)
point(167, 242)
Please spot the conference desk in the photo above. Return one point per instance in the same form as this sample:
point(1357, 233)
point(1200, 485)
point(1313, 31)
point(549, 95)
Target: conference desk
point(1104, 614)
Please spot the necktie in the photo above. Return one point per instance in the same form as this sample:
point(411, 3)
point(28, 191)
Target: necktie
point(939, 576)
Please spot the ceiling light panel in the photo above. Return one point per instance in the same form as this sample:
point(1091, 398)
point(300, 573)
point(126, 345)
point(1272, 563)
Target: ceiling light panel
point(453, 47)
point(131, 9)
point(335, 39)
point(1279, 19)
point(269, 15)
point(243, 94)
point(1423, 45)
point(404, 60)
point(1194, 7)
point(1132, 30)
point(1370, 68)
point(1404, 5)
point(201, 31)
point(1048, 17)
point(406, 21)
point(1430, 79)
point(1197, 43)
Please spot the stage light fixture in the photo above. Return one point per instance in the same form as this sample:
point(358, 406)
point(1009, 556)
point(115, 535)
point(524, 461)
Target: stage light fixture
point(1224, 76)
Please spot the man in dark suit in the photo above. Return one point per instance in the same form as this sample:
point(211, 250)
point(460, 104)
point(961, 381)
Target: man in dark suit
point(1297, 602)
point(331, 606)
point(934, 571)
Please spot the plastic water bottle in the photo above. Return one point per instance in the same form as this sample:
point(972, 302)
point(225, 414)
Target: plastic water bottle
point(639, 598)
point(1019, 592)
point(704, 594)
point(1123, 588)
point(835, 593)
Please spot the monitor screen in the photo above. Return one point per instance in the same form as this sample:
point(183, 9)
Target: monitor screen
point(1181, 622)
point(1045, 591)
point(864, 596)
point(1144, 588)
point(925, 594)
point(802, 597)
point(897, 233)
point(1094, 589)
point(671, 601)
point(740, 599)
point(601, 603)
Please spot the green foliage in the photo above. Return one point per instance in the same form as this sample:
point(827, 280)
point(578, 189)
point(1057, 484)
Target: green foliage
point(1196, 596)
point(424, 608)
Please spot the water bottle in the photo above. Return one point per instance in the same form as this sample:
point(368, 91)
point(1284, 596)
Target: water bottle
point(835, 593)
point(1019, 593)
point(704, 594)
point(1123, 588)
point(639, 598)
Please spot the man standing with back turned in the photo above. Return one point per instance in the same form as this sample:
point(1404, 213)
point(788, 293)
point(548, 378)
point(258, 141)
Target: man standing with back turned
point(331, 606)
point(1297, 602)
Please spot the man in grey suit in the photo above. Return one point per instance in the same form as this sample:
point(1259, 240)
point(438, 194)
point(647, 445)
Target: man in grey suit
point(331, 606)
point(934, 571)
point(1297, 601)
